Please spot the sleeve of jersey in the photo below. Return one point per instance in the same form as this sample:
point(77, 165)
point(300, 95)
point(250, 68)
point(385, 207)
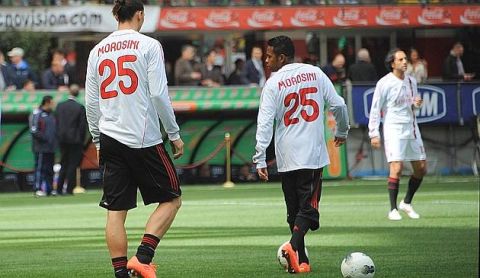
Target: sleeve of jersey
point(157, 82)
point(92, 102)
point(266, 115)
point(375, 112)
point(338, 108)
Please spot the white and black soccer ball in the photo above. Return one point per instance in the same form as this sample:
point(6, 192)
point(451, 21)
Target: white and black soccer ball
point(357, 265)
point(281, 260)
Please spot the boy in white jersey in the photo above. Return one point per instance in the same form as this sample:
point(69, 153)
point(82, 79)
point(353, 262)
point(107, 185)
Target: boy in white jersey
point(126, 94)
point(294, 97)
point(396, 97)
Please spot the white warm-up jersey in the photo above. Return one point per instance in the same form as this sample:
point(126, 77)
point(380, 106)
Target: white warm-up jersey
point(295, 97)
point(394, 97)
point(126, 91)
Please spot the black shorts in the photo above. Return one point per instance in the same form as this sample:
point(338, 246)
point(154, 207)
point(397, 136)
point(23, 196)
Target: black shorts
point(302, 190)
point(125, 169)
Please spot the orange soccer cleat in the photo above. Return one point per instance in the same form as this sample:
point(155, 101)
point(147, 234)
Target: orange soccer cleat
point(292, 259)
point(144, 270)
point(304, 268)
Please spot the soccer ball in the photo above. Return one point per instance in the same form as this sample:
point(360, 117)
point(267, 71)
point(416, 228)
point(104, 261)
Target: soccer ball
point(281, 260)
point(357, 265)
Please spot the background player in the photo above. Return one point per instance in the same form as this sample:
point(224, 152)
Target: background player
point(126, 94)
point(294, 97)
point(396, 96)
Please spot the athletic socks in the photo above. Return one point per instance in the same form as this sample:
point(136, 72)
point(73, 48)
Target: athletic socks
point(146, 250)
point(393, 192)
point(120, 267)
point(302, 256)
point(299, 230)
point(413, 185)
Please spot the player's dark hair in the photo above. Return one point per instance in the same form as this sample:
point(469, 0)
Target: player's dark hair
point(390, 58)
point(45, 100)
point(124, 10)
point(282, 45)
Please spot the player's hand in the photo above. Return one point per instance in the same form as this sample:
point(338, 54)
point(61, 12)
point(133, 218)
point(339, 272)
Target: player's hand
point(263, 174)
point(339, 141)
point(177, 148)
point(375, 142)
point(417, 102)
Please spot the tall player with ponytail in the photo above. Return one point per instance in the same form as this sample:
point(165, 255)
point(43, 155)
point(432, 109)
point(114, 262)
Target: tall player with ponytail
point(126, 98)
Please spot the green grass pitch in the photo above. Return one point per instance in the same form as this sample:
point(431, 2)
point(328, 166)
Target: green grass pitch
point(236, 232)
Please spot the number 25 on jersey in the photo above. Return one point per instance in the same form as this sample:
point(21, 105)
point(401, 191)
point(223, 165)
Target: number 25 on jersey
point(119, 69)
point(300, 99)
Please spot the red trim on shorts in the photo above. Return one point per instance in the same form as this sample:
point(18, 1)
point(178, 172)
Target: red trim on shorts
point(168, 167)
point(314, 201)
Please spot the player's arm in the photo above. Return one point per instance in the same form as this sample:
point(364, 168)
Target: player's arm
point(92, 101)
point(158, 88)
point(339, 110)
point(375, 116)
point(265, 119)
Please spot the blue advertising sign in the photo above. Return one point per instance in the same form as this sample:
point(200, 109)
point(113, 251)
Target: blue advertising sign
point(439, 103)
point(470, 97)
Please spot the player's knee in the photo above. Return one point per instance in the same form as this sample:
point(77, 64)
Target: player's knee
point(177, 203)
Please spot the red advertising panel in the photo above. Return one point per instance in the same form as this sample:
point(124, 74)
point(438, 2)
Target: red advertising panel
point(266, 18)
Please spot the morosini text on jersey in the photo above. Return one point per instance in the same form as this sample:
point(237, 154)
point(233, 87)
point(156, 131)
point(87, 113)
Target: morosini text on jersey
point(297, 79)
point(118, 45)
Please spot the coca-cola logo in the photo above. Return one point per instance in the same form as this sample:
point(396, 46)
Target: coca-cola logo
point(470, 16)
point(267, 18)
point(308, 18)
point(392, 17)
point(178, 19)
point(347, 17)
point(221, 19)
point(434, 16)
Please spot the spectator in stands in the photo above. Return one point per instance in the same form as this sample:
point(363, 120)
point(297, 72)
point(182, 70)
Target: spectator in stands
point(211, 73)
point(238, 77)
point(417, 67)
point(68, 62)
point(336, 70)
point(19, 72)
point(254, 67)
point(453, 66)
point(363, 70)
point(44, 142)
point(4, 81)
point(185, 75)
point(55, 78)
point(72, 125)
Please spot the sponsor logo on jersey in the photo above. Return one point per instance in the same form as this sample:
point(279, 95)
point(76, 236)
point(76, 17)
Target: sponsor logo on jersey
point(308, 17)
point(436, 15)
point(392, 16)
point(470, 16)
point(221, 19)
point(178, 19)
point(350, 17)
point(264, 18)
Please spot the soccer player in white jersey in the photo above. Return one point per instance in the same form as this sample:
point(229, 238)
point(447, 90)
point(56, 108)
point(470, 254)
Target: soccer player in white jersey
point(126, 95)
point(294, 98)
point(396, 98)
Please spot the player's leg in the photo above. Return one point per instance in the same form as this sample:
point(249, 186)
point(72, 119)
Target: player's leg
point(419, 171)
point(395, 171)
point(309, 190)
point(158, 183)
point(119, 195)
point(116, 237)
